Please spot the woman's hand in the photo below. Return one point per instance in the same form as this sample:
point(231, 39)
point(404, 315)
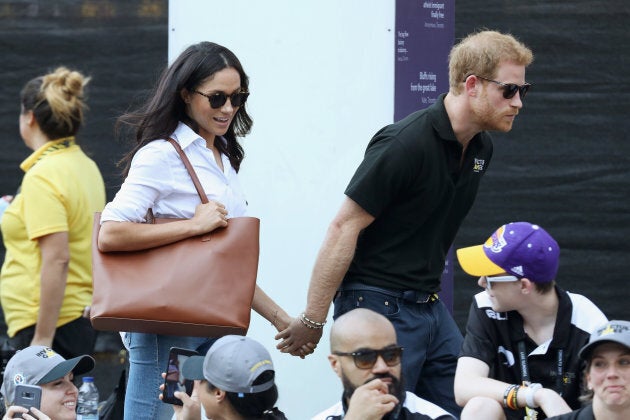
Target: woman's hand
point(191, 408)
point(16, 410)
point(209, 216)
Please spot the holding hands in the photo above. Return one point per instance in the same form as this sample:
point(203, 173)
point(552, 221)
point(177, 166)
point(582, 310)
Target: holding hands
point(300, 337)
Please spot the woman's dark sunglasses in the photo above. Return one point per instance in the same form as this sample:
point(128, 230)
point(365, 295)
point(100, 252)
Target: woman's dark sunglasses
point(217, 100)
point(510, 89)
point(366, 359)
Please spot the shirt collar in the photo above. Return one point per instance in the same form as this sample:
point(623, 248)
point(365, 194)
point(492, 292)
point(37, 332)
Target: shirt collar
point(186, 136)
point(441, 121)
point(560, 332)
point(44, 150)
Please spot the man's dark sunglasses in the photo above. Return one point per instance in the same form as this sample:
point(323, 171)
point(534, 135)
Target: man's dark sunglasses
point(217, 100)
point(366, 359)
point(510, 89)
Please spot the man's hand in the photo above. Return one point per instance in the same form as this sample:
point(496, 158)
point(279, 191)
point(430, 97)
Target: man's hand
point(551, 402)
point(371, 401)
point(298, 339)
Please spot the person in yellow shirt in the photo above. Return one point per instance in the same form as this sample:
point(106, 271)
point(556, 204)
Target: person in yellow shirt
point(46, 278)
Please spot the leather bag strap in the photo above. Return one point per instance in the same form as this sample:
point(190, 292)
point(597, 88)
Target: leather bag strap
point(191, 171)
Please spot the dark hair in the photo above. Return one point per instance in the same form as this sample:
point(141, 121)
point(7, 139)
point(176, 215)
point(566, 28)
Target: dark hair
point(56, 100)
point(587, 394)
point(165, 108)
point(256, 406)
point(544, 288)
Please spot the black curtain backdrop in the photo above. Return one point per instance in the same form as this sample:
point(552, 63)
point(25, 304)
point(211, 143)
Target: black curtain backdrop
point(565, 165)
point(122, 45)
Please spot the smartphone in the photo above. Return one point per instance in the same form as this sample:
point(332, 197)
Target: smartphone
point(174, 380)
point(28, 396)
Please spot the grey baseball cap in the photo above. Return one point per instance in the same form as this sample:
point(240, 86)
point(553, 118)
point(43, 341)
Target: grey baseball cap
point(232, 364)
point(37, 365)
point(615, 331)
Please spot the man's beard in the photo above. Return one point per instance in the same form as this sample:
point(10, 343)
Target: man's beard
point(396, 387)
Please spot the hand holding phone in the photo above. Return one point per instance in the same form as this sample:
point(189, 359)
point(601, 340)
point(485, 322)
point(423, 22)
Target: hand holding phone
point(174, 380)
point(28, 396)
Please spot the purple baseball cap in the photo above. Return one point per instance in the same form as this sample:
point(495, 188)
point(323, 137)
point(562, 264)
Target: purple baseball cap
point(519, 248)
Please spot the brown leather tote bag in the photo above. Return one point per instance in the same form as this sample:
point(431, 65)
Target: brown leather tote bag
point(201, 286)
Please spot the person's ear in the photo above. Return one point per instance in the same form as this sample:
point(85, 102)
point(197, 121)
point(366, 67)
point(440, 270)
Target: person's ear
point(587, 381)
point(185, 95)
point(335, 364)
point(219, 395)
point(527, 286)
point(471, 85)
point(29, 117)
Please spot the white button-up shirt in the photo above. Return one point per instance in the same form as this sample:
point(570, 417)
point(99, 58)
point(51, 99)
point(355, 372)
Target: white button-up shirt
point(159, 180)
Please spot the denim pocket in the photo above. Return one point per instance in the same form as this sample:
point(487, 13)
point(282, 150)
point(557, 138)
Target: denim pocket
point(379, 302)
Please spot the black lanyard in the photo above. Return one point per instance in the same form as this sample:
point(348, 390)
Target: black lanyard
point(522, 355)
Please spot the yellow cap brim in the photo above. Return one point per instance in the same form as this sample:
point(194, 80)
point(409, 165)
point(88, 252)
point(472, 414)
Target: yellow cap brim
point(474, 262)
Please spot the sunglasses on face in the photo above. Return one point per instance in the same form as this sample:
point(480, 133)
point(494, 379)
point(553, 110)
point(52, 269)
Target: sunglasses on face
point(499, 279)
point(366, 359)
point(510, 89)
point(218, 99)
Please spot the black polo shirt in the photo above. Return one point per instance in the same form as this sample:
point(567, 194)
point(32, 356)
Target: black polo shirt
point(493, 337)
point(410, 180)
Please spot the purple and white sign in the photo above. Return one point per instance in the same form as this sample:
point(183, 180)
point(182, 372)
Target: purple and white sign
point(425, 33)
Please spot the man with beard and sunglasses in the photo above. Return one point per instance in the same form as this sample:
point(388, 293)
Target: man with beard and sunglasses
point(366, 356)
point(520, 357)
point(386, 248)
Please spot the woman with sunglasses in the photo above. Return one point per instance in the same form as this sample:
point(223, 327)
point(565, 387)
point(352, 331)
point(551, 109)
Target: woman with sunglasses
point(366, 356)
point(200, 102)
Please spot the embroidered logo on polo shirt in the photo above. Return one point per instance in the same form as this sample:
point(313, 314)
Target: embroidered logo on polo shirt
point(479, 164)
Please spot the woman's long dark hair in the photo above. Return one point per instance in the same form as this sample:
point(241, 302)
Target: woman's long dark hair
point(259, 405)
point(159, 116)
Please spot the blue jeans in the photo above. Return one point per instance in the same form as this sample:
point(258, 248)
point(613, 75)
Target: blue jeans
point(148, 358)
point(427, 332)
